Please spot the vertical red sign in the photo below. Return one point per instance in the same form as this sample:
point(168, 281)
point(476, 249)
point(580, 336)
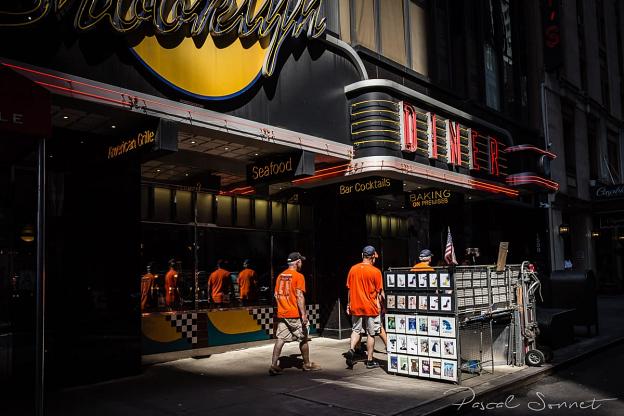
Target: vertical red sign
point(494, 168)
point(475, 150)
point(410, 132)
point(454, 138)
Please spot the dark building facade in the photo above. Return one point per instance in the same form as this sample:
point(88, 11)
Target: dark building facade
point(208, 138)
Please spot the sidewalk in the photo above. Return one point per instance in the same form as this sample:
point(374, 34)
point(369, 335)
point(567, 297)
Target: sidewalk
point(236, 382)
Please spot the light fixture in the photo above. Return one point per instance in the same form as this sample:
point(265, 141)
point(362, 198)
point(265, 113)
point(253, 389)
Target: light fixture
point(28, 234)
point(186, 174)
point(564, 229)
point(113, 126)
point(193, 142)
point(157, 170)
point(65, 117)
point(255, 154)
point(595, 234)
point(227, 148)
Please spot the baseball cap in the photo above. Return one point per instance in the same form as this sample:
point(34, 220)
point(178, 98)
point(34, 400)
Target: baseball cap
point(294, 256)
point(425, 253)
point(369, 251)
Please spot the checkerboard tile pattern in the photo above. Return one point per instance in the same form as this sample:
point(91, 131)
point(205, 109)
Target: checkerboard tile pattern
point(314, 315)
point(186, 324)
point(264, 317)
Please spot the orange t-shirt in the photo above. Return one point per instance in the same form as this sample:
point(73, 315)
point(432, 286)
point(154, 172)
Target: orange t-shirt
point(422, 267)
point(364, 283)
point(246, 283)
point(219, 282)
point(146, 285)
point(286, 286)
point(171, 282)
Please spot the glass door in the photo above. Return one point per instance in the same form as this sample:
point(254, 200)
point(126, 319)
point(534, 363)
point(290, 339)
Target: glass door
point(18, 253)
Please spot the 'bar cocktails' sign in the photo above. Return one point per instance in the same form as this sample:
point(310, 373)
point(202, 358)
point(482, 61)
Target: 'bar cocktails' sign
point(369, 186)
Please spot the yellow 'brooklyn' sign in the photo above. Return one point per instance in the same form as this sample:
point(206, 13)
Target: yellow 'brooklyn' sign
point(211, 49)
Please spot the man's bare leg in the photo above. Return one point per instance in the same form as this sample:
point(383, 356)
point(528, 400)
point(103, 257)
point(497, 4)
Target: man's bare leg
point(370, 346)
point(305, 352)
point(277, 350)
point(355, 339)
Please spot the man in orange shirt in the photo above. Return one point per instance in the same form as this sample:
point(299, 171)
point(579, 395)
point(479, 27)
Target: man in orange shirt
point(171, 285)
point(425, 262)
point(365, 294)
point(147, 283)
point(219, 284)
point(292, 318)
point(247, 283)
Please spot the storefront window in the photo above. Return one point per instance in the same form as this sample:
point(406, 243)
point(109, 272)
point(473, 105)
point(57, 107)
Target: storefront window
point(204, 208)
point(243, 212)
point(292, 217)
point(224, 210)
point(182, 203)
point(262, 213)
point(193, 250)
point(277, 215)
point(162, 204)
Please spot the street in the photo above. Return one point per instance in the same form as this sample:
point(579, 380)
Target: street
point(591, 386)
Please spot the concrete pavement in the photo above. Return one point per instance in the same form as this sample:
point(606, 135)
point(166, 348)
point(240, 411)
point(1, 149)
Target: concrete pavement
point(237, 382)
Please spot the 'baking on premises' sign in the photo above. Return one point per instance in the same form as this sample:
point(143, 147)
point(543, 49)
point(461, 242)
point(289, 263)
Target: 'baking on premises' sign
point(430, 198)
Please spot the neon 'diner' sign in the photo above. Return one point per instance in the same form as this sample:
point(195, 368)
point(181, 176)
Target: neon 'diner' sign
point(244, 42)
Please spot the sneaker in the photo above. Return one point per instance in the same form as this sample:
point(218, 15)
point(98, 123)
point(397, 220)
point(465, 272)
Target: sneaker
point(372, 364)
point(311, 367)
point(275, 370)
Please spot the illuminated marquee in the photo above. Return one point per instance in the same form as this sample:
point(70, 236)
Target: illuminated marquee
point(253, 30)
point(439, 138)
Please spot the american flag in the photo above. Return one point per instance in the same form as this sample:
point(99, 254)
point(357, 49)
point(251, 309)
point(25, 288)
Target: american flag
point(449, 252)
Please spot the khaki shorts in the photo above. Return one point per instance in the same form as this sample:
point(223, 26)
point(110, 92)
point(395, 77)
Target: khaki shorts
point(373, 324)
point(291, 329)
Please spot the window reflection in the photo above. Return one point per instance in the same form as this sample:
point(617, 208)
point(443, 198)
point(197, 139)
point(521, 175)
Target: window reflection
point(179, 256)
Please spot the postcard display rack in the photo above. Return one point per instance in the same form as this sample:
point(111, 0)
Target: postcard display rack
point(421, 323)
point(439, 323)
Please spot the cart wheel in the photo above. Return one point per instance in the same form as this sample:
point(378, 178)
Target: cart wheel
point(548, 354)
point(535, 358)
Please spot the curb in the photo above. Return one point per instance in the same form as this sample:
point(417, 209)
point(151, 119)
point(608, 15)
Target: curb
point(519, 379)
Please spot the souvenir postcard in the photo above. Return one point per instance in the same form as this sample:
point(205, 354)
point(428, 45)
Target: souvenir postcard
point(412, 325)
point(447, 327)
point(434, 325)
point(403, 366)
point(434, 347)
point(412, 345)
point(423, 325)
point(449, 348)
point(449, 370)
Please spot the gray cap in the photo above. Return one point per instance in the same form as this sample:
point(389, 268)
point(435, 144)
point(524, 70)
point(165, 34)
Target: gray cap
point(369, 251)
point(425, 253)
